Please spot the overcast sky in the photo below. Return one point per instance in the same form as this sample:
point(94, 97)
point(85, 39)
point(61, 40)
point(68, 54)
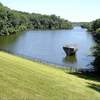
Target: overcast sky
point(73, 10)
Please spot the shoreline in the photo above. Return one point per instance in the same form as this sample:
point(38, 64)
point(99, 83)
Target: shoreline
point(43, 62)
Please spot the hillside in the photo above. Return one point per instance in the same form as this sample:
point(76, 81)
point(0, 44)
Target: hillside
point(22, 79)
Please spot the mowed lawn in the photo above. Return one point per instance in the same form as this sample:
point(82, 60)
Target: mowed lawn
point(21, 79)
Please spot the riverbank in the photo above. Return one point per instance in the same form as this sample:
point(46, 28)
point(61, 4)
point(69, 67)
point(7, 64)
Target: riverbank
point(21, 79)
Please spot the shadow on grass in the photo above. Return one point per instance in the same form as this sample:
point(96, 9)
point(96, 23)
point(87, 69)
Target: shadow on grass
point(87, 75)
point(92, 76)
point(95, 87)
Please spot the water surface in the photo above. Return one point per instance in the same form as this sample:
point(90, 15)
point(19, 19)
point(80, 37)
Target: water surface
point(47, 46)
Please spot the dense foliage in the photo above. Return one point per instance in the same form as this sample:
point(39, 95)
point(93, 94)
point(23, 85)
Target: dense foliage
point(96, 33)
point(96, 54)
point(12, 21)
point(86, 25)
point(94, 27)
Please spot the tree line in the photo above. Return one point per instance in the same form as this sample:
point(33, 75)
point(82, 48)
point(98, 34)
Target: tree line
point(12, 21)
point(94, 28)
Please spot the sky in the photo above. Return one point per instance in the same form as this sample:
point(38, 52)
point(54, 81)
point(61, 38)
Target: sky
point(73, 10)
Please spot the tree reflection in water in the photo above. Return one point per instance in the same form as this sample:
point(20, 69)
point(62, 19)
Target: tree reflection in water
point(70, 59)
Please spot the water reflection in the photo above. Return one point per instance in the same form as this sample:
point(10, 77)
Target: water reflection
point(70, 59)
point(8, 40)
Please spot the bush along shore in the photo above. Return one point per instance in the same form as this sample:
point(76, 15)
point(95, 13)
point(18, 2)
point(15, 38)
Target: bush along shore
point(94, 28)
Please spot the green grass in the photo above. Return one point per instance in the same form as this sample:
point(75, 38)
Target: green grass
point(21, 79)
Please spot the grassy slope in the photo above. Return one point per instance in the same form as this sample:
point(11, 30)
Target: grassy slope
point(21, 79)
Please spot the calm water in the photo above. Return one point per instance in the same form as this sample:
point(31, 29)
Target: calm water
point(47, 46)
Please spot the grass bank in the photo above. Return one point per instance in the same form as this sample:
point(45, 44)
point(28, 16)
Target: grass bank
point(21, 79)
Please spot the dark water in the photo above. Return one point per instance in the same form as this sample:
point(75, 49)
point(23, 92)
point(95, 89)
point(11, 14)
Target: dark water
point(47, 46)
